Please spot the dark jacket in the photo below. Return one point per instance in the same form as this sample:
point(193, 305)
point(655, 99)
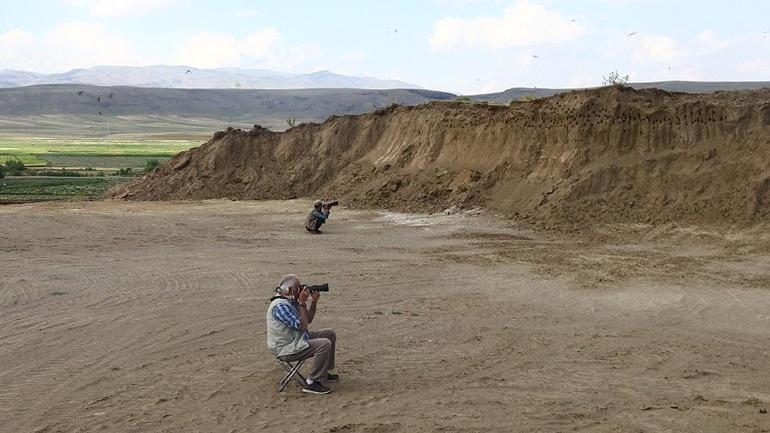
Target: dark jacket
point(315, 219)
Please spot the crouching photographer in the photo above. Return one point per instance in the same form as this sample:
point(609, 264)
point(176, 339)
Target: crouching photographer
point(289, 338)
point(319, 215)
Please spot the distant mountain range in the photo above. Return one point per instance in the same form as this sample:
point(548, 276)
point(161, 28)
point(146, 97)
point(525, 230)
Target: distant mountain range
point(184, 77)
point(518, 93)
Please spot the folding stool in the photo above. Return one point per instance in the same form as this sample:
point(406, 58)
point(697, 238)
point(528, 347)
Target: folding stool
point(292, 368)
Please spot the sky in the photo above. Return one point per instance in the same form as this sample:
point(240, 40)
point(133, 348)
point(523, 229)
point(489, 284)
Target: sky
point(462, 46)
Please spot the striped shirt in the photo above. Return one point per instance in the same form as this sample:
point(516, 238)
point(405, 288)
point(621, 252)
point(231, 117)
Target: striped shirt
point(288, 315)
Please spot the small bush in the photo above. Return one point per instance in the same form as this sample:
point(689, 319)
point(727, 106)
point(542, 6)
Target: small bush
point(463, 98)
point(615, 79)
point(151, 165)
point(125, 172)
point(291, 122)
point(14, 167)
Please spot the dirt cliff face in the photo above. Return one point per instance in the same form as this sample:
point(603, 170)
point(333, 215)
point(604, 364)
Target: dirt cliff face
point(611, 154)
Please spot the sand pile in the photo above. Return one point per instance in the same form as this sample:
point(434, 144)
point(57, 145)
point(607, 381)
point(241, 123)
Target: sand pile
point(609, 155)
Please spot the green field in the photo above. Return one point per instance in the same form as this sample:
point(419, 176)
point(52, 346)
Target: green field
point(63, 152)
point(98, 162)
point(31, 189)
point(83, 168)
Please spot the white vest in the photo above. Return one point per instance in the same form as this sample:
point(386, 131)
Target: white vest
point(281, 339)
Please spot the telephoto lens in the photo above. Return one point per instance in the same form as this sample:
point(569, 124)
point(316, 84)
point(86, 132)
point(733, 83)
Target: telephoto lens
point(317, 287)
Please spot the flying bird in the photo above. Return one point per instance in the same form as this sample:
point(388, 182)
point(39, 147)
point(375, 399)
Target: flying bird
point(632, 34)
point(535, 56)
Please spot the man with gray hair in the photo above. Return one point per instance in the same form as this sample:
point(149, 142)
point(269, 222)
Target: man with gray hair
point(289, 339)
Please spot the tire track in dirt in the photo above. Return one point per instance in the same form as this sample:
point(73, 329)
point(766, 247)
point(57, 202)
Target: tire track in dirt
point(166, 330)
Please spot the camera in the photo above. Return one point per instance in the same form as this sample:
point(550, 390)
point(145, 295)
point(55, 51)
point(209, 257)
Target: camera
point(331, 203)
point(315, 287)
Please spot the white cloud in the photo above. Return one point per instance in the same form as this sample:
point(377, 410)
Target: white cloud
point(248, 13)
point(524, 59)
point(66, 46)
point(215, 50)
point(658, 50)
point(15, 37)
point(661, 49)
point(72, 45)
point(459, 3)
point(708, 42)
point(522, 24)
point(15, 46)
point(121, 8)
point(80, 43)
point(210, 50)
point(582, 80)
point(754, 67)
point(262, 49)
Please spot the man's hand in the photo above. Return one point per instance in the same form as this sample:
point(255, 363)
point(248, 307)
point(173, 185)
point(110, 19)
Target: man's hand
point(303, 294)
point(315, 296)
point(304, 314)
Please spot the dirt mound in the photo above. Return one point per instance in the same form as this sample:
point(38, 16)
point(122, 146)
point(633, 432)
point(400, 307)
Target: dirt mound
point(610, 154)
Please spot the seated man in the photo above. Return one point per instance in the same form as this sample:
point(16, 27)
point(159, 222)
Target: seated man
point(317, 217)
point(289, 339)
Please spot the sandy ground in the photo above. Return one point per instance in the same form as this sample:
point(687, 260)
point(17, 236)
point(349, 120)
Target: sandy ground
point(149, 317)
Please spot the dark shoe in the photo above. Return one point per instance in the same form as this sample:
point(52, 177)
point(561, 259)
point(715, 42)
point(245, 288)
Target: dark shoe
point(317, 388)
point(332, 377)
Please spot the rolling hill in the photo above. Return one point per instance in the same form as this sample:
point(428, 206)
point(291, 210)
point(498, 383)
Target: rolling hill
point(517, 93)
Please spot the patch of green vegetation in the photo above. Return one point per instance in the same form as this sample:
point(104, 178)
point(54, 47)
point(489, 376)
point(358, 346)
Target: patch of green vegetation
point(151, 165)
point(57, 173)
point(101, 162)
point(30, 189)
point(125, 172)
point(42, 147)
point(14, 167)
point(92, 158)
point(28, 160)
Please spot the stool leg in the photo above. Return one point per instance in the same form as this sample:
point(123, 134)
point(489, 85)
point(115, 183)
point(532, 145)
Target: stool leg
point(292, 371)
point(301, 379)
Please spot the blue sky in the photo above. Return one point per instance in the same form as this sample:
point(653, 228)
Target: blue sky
point(465, 46)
